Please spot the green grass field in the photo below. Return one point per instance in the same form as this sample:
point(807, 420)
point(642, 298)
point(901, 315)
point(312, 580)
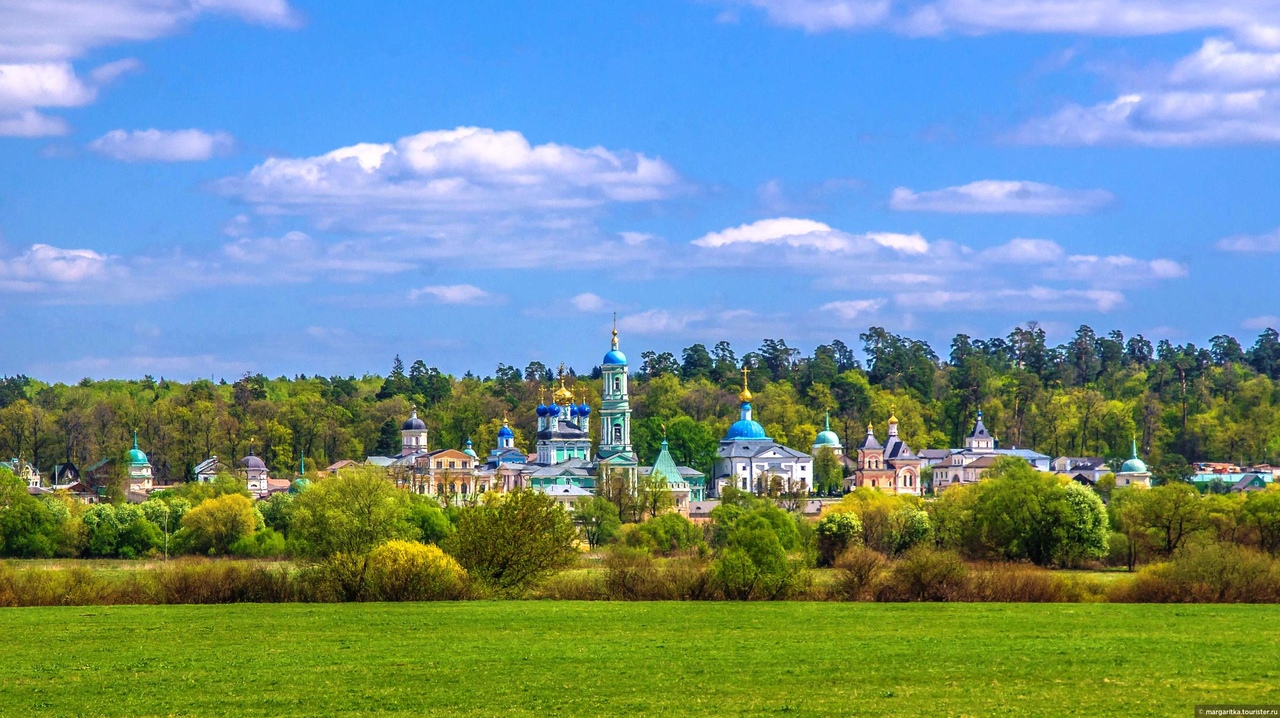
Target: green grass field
point(564, 658)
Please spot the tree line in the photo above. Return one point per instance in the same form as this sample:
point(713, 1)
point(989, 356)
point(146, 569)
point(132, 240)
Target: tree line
point(1090, 396)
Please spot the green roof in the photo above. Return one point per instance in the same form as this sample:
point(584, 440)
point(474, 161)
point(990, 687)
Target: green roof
point(666, 465)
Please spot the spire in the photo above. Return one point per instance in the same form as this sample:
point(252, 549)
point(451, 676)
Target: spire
point(745, 396)
point(615, 331)
point(827, 422)
point(1135, 446)
point(135, 439)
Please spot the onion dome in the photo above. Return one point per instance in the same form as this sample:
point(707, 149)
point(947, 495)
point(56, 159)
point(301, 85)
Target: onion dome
point(469, 451)
point(253, 462)
point(135, 454)
point(542, 410)
point(746, 429)
point(505, 432)
point(413, 423)
point(745, 396)
point(553, 410)
point(573, 410)
point(615, 356)
point(563, 396)
point(1134, 465)
point(583, 410)
point(827, 437)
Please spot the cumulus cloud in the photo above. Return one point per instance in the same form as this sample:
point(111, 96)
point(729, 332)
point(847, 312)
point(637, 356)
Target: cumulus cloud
point(1025, 251)
point(658, 321)
point(40, 39)
point(1268, 243)
point(1001, 197)
point(163, 145)
point(454, 183)
point(808, 233)
point(850, 310)
point(453, 294)
point(1222, 94)
point(44, 267)
point(589, 302)
point(975, 17)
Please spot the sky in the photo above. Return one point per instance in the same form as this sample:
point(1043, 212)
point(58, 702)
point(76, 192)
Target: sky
point(204, 188)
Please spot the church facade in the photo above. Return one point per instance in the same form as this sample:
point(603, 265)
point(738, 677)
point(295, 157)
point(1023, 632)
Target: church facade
point(749, 460)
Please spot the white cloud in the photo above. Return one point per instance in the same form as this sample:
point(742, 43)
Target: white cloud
point(1251, 243)
point(1268, 321)
point(454, 294)
point(1109, 269)
point(850, 310)
point(163, 145)
point(589, 302)
point(1085, 17)
point(67, 29)
point(40, 38)
point(1001, 197)
point(455, 183)
point(807, 233)
point(43, 265)
point(1034, 298)
point(297, 256)
point(1024, 251)
point(658, 321)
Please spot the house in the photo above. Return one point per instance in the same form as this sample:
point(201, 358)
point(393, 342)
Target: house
point(1085, 470)
point(208, 470)
point(956, 467)
point(751, 461)
point(566, 494)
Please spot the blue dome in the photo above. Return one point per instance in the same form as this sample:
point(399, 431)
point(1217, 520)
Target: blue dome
point(583, 410)
point(573, 410)
point(542, 410)
point(746, 429)
point(506, 433)
point(615, 357)
point(553, 410)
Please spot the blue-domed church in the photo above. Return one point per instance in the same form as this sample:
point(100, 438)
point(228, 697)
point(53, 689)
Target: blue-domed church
point(748, 459)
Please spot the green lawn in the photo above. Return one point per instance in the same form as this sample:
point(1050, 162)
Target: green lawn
point(561, 658)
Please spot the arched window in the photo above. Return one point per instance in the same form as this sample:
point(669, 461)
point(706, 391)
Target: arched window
point(617, 433)
point(617, 385)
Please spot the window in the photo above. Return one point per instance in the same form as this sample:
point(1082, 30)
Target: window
point(617, 433)
point(617, 385)
point(452, 464)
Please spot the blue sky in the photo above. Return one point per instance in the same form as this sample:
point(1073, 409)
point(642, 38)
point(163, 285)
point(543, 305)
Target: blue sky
point(202, 188)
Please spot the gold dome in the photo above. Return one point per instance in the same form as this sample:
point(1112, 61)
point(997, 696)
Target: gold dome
point(745, 396)
point(562, 395)
point(893, 415)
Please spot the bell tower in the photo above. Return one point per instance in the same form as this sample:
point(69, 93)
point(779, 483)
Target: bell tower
point(615, 407)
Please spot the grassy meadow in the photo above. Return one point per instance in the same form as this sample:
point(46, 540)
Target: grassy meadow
point(604, 658)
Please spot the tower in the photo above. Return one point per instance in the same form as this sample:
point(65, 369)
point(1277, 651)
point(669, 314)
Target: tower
point(615, 408)
point(413, 434)
point(139, 467)
point(980, 439)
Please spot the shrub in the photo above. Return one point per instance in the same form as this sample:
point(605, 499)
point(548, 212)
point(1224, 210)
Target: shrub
point(924, 574)
point(666, 534)
point(207, 582)
point(631, 575)
point(836, 532)
point(755, 565)
point(217, 523)
point(512, 540)
point(858, 571)
point(411, 571)
point(1008, 582)
point(266, 543)
point(1209, 573)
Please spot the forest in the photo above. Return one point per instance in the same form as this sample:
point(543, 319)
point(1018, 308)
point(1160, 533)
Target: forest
point(1089, 396)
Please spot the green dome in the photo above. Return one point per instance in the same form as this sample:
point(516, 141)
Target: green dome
point(135, 454)
point(827, 437)
point(1134, 466)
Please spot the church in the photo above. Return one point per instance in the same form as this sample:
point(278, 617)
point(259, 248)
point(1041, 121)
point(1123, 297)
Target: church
point(751, 461)
point(890, 467)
